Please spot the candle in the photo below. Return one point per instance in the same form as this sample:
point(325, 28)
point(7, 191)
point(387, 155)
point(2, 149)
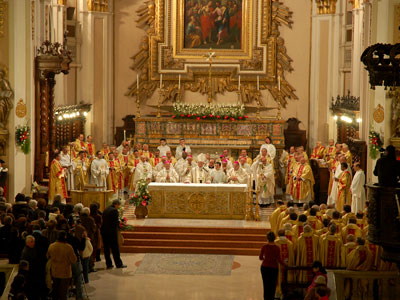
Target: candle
point(179, 83)
point(258, 83)
point(137, 81)
point(239, 82)
point(279, 82)
point(160, 81)
point(124, 135)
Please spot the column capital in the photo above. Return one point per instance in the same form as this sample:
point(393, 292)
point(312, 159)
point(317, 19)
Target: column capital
point(326, 7)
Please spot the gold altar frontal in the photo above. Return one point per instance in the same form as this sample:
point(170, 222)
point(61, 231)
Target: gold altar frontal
point(89, 197)
point(198, 201)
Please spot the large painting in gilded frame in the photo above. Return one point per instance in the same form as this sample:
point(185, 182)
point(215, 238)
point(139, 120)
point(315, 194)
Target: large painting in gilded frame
point(256, 52)
point(213, 24)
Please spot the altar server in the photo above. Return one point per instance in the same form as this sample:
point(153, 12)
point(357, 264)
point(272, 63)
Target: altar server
point(357, 190)
point(182, 147)
point(163, 148)
point(217, 175)
point(270, 147)
point(167, 174)
point(57, 179)
point(265, 182)
point(99, 170)
point(237, 175)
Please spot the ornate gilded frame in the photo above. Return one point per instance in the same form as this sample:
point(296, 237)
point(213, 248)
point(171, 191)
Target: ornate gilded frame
point(262, 58)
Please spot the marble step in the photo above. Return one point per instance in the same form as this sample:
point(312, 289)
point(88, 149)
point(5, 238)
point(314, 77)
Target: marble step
point(195, 243)
point(181, 229)
point(190, 250)
point(195, 236)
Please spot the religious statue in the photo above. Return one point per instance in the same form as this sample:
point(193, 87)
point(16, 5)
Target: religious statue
point(6, 94)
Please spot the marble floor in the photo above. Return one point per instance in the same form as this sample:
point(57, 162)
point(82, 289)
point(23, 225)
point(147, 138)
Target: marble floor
point(244, 283)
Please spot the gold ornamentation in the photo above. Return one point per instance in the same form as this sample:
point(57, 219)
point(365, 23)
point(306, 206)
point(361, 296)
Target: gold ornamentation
point(6, 96)
point(163, 51)
point(20, 109)
point(379, 114)
point(97, 5)
point(394, 93)
point(3, 15)
point(325, 7)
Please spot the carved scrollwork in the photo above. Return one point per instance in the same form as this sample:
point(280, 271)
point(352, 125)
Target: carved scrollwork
point(163, 51)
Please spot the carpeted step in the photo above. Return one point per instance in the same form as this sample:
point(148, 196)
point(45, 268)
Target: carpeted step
point(230, 230)
point(195, 244)
point(189, 250)
point(194, 236)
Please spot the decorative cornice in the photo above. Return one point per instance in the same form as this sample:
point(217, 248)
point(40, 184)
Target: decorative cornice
point(326, 7)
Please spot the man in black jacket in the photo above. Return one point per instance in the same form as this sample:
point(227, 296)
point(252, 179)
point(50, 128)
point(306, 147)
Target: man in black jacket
point(109, 232)
point(387, 168)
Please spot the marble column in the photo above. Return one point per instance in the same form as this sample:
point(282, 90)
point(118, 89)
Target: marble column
point(95, 80)
point(21, 70)
point(325, 74)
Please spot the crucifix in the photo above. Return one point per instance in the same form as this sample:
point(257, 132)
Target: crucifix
point(209, 57)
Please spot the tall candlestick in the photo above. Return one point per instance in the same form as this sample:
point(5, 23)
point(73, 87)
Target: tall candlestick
point(279, 82)
point(258, 83)
point(239, 83)
point(160, 81)
point(179, 82)
point(124, 135)
point(137, 81)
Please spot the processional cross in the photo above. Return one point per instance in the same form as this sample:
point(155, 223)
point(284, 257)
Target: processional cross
point(209, 57)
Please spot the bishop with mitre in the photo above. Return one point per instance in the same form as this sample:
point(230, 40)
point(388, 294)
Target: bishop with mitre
point(237, 175)
point(167, 174)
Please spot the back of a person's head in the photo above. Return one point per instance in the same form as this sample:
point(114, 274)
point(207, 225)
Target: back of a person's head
point(311, 203)
point(23, 265)
point(69, 208)
point(85, 211)
point(116, 202)
point(352, 221)
point(360, 241)
point(62, 236)
point(93, 208)
point(359, 215)
point(57, 200)
point(281, 232)
point(350, 238)
point(291, 210)
point(336, 215)
point(54, 209)
point(290, 203)
point(391, 152)
point(51, 224)
point(306, 206)
point(36, 227)
point(280, 202)
point(32, 203)
point(332, 228)
point(41, 214)
point(8, 220)
point(326, 222)
point(347, 208)
point(307, 228)
point(313, 212)
point(78, 207)
point(41, 203)
point(20, 197)
point(302, 218)
point(293, 216)
point(287, 226)
point(271, 236)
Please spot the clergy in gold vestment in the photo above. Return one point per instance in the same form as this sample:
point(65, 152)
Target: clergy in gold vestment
point(330, 151)
point(293, 164)
point(330, 249)
point(344, 182)
point(318, 151)
point(243, 153)
point(273, 219)
point(156, 159)
point(290, 235)
point(81, 167)
point(114, 176)
point(347, 154)
point(145, 152)
point(200, 174)
point(312, 219)
point(360, 259)
point(303, 181)
point(79, 145)
point(307, 252)
point(57, 179)
point(349, 246)
point(90, 148)
point(127, 163)
point(287, 256)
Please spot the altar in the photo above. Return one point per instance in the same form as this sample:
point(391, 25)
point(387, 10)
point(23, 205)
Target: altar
point(198, 201)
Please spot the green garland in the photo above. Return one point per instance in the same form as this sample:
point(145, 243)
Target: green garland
point(22, 137)
point(375, 143)
point(209, 112)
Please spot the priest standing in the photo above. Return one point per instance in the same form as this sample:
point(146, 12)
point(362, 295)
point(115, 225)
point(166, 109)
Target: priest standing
point(303, 181)
point(67, 164)
point(357, 190)
point(265, 182)
point(99, 171)
point(57, 179)
point(142, 171)
point(200, 174)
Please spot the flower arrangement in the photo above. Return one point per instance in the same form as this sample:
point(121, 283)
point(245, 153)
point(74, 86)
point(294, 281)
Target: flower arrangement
point(22, 136)
point(141, 196)
point(375, 143)
point(209, 112)
point(123, 221)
